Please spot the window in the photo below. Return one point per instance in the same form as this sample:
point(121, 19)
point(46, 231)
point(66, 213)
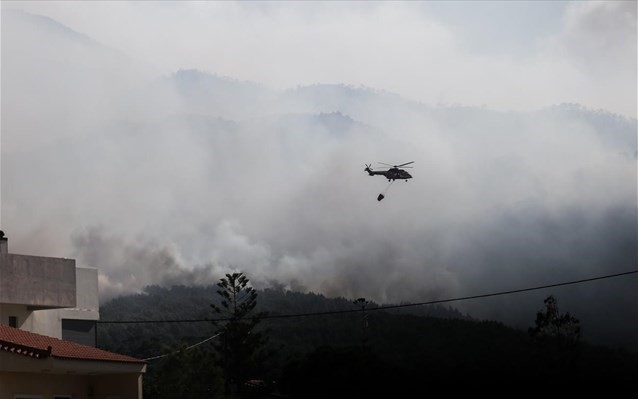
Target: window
point(13, 321)
point(79, 331)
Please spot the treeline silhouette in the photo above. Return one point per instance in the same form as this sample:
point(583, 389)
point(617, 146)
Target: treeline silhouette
point(355, 354)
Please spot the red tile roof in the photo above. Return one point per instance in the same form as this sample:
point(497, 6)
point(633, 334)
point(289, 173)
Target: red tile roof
point(40, 346)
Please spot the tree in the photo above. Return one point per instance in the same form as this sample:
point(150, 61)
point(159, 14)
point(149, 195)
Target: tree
point(362, 303)
point(185, 374)
point(556, 340)
point(552, 324)
point(240, 342)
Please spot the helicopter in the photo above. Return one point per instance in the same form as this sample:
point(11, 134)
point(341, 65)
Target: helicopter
point(394, 173)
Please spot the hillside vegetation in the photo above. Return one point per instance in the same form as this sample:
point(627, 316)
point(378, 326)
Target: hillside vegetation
point(360, 353)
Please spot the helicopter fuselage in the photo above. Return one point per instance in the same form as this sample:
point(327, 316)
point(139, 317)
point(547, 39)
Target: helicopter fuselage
point(390, 174)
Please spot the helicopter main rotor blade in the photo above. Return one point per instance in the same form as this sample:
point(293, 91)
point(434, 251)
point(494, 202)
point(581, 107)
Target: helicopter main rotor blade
point(396, 166)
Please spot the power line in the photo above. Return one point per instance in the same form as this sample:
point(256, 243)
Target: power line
point(405, 305)
point(184, 349)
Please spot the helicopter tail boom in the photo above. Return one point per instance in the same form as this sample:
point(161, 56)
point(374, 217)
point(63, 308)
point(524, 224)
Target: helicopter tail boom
point(369, 170)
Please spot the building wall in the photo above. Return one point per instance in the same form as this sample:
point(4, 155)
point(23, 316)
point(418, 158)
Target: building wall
point(87, 298)
point(20, 311)
point(37, 281)
point(49, 321)
point(122, 386)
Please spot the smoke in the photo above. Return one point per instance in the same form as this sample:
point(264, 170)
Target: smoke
point(504, 56)
point(180, 178)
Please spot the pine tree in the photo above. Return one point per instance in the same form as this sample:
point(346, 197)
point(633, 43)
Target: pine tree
point(240, 343)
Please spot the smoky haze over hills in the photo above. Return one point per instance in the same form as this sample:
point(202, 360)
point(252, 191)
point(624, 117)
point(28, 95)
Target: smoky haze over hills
point(180, 178)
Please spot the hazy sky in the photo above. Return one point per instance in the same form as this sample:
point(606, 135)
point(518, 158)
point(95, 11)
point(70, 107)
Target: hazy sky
point(504, 55)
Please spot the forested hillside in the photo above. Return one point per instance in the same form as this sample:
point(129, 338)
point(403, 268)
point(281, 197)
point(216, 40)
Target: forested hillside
point(358, 353)
point(193, 303)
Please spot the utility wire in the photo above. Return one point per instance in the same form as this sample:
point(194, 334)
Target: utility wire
point(405, 305)
point(184, 349)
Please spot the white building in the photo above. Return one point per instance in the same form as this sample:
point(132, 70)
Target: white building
point(48, 296)
point(48, 312)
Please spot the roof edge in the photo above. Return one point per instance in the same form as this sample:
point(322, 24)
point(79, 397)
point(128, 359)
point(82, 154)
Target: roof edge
point(24, 350)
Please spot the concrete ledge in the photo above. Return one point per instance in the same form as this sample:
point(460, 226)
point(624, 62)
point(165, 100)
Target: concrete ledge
point(38, 282)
